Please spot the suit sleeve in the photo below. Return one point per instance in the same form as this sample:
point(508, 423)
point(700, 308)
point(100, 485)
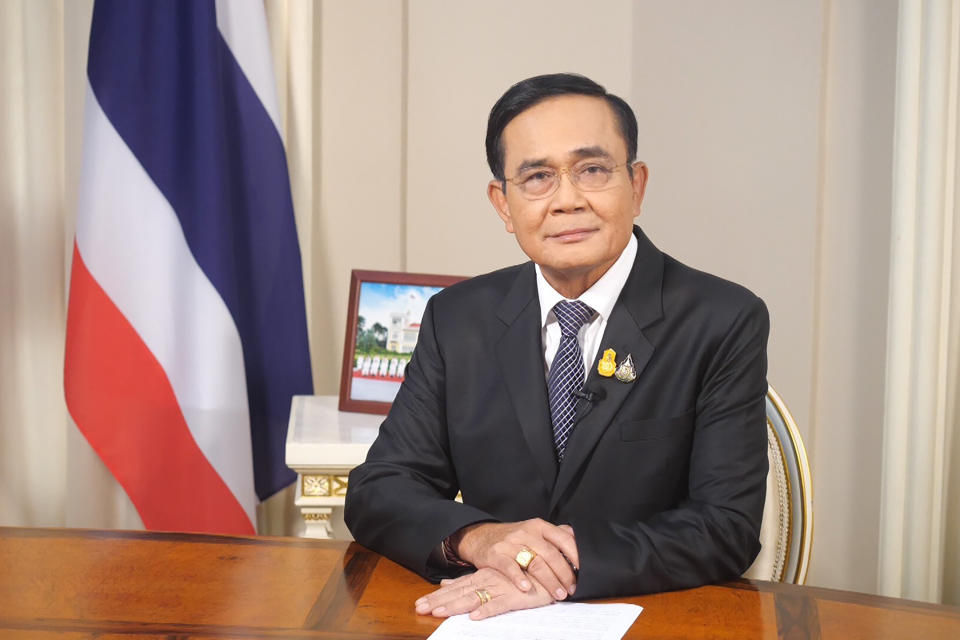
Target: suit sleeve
point(712, 535)
point(400, 502)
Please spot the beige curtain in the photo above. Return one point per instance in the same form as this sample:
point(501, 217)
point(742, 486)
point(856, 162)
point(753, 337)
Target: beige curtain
point(34, 223)
point(295, 42)
point(49, 476)
point(920, 508)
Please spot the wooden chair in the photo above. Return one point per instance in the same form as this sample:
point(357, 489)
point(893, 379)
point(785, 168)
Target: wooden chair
point(787, 528)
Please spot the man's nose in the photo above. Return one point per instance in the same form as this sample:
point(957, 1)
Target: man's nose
point(568, 197)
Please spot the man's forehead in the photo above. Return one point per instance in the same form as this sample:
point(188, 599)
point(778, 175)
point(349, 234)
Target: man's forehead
point(562, 128)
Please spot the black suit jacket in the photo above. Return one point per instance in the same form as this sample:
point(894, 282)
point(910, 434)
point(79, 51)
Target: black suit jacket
point(663, 478)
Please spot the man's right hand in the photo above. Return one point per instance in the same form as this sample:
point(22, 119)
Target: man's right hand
point(496, 545)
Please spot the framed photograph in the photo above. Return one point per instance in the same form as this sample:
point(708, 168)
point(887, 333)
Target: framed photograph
point(383, 323)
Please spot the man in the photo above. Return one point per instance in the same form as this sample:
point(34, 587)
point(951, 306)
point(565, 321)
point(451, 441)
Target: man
point(600, 408)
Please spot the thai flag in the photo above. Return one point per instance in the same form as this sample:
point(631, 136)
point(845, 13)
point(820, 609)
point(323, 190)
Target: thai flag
point(186, 329)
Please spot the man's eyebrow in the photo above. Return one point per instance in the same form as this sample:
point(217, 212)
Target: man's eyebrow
point(580, 154)
point(591, 152)
point(530, 164)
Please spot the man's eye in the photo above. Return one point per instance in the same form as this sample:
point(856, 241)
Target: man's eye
point(594, 169)
point(539, 176)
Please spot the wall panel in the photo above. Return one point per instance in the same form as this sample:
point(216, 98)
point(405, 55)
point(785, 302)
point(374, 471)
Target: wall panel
point(728, 96)
point(358, 224)
point(462, 57)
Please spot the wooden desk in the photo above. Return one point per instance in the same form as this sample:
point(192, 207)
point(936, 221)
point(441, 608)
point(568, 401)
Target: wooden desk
point(71, 584)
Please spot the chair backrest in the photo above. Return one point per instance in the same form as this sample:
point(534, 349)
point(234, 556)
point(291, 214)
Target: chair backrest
point(787, 529)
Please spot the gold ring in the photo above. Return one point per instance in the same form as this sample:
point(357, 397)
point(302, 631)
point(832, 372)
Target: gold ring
point(525, 557)
point(483, 594)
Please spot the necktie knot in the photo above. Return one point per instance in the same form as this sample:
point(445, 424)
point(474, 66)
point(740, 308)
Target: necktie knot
point(571, 316)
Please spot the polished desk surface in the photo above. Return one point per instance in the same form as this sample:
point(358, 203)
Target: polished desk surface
point(66, 584)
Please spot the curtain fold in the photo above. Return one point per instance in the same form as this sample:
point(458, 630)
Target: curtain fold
point(919, 486)
point(32, 222)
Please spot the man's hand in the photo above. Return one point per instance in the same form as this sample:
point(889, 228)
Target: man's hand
point(496, 545)
point(461, 596)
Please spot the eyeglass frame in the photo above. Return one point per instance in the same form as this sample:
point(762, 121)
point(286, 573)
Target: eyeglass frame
point(567, 169)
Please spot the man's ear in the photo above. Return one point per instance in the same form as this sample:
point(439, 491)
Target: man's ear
point(499, 201)
point(639, 183)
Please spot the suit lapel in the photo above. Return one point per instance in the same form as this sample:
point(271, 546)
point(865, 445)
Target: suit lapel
point(639, 305)
point(520, 357)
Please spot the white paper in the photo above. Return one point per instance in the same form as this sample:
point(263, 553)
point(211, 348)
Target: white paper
point(558, 621)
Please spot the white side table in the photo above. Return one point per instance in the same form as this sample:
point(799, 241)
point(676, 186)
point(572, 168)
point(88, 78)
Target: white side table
point(323, 445)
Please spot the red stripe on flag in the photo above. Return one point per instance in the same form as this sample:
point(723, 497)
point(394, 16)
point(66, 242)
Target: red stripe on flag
point(120, 398)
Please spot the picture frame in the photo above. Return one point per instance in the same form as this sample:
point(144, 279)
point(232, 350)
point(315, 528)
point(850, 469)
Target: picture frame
point(383, 322)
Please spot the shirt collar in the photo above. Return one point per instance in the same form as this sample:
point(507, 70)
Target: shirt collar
point(601, 296)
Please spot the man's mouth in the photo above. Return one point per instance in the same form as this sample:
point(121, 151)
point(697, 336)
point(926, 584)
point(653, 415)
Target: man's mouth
point(572, 235)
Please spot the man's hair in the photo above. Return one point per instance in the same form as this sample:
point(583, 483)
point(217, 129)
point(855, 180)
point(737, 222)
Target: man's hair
point(531, 91)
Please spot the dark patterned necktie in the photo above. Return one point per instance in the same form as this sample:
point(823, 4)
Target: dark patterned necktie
point(566, 372)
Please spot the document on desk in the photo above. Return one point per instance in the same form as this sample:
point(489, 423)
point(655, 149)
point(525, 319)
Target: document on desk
point(558, 621)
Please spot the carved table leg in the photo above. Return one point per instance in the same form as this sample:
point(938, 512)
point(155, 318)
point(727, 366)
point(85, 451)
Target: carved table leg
point(317, 520)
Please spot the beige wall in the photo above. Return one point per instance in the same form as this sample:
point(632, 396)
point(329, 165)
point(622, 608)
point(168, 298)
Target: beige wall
point(769, 133)
point(361, 87)
point(728, 96)
point(767, 127)
point(462, 57)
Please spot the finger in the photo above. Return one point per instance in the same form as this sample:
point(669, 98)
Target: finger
point(560, 565)
point(453, 588)
point(549, 566)
point(443, 596)
point(462, 604)
point(509, 568)
point(561, 536)
point(553, 573)
point(431, 601)
point(564, 541)
point(535, 532)
point(509, 602)
point(492, 608)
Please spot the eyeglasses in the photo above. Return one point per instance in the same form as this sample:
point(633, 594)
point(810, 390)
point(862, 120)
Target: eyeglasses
point(589, 175)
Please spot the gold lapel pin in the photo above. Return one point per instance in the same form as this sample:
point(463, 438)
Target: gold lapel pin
point(626, 372)
point(608, 364)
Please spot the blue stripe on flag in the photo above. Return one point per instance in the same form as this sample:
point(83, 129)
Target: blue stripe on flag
point(170, 85)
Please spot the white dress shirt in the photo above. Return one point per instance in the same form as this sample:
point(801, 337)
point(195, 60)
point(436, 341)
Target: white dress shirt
point(601, 297)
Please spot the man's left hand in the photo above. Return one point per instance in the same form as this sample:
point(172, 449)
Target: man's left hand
point(463, 595)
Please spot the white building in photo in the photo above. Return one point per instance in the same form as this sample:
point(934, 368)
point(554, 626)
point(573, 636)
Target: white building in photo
point(402, 334)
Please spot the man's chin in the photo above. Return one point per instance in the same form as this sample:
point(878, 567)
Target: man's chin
point(568, 268)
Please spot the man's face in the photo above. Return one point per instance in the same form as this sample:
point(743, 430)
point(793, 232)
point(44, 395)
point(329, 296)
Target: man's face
point(573, 234)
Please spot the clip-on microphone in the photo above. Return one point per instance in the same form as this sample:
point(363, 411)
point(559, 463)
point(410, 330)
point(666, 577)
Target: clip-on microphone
point(593, 395)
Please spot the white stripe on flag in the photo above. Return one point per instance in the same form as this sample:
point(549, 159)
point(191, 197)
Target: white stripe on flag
point(244, 28)
point(133, 245)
